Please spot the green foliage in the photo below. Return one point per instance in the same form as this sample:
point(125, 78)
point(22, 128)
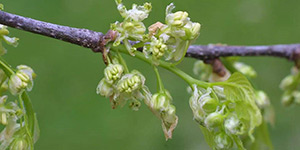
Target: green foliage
point(238, 89)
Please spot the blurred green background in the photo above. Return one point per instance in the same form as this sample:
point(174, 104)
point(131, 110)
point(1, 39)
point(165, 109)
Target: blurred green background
point(72, 116)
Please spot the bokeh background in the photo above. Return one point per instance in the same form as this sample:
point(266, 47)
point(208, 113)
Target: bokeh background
point(73, 117)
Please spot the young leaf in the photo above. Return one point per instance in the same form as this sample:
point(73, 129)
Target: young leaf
point(239, 90)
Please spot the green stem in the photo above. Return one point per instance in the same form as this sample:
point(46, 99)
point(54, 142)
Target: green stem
point(169, 66)
point(159, 82)
point(29, 112)
point(6, 68)
point(122, 61)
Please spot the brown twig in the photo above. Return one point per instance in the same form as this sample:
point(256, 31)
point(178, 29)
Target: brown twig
point(93, 40)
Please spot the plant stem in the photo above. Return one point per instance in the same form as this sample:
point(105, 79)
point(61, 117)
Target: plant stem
point(122, 61)
point(160, 85)
point(169, 66)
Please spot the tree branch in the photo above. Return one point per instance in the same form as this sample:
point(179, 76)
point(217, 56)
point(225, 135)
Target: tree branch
point(92, 39)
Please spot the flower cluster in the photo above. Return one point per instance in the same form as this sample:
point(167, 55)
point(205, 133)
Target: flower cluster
point(290, 85)
point(220, 115)
point(132, 28)
point(214, 114)
point(170, 40)
point(121, 87)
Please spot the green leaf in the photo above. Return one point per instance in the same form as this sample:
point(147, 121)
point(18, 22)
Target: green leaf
point(239, 90)
point(1, 7)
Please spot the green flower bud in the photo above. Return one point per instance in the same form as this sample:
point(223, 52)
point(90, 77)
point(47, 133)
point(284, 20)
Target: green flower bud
point(27, 70)
point(223, 141)
point(113, 72)
point(287, 98)
point(160, 101)
point(177, 19)
point(215, 119)
point(195, 30)
point(245, 69)
point(287, 82)
point(158, 48)
point(17, 83)
point(131, 82)
point(104, 88)
point(209, 104)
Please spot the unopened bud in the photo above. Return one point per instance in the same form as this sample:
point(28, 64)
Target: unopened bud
point(104, 88)
point(113, 72)
point(158, 48)
point(223, 141)
point(160, 101)
point(131, 82)
point(215, 119)
point(16, 85)
point(177, 19)
point(245, 69)
point(209, 104)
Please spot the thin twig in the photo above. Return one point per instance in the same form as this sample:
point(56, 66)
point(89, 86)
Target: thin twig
point(92, 39)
